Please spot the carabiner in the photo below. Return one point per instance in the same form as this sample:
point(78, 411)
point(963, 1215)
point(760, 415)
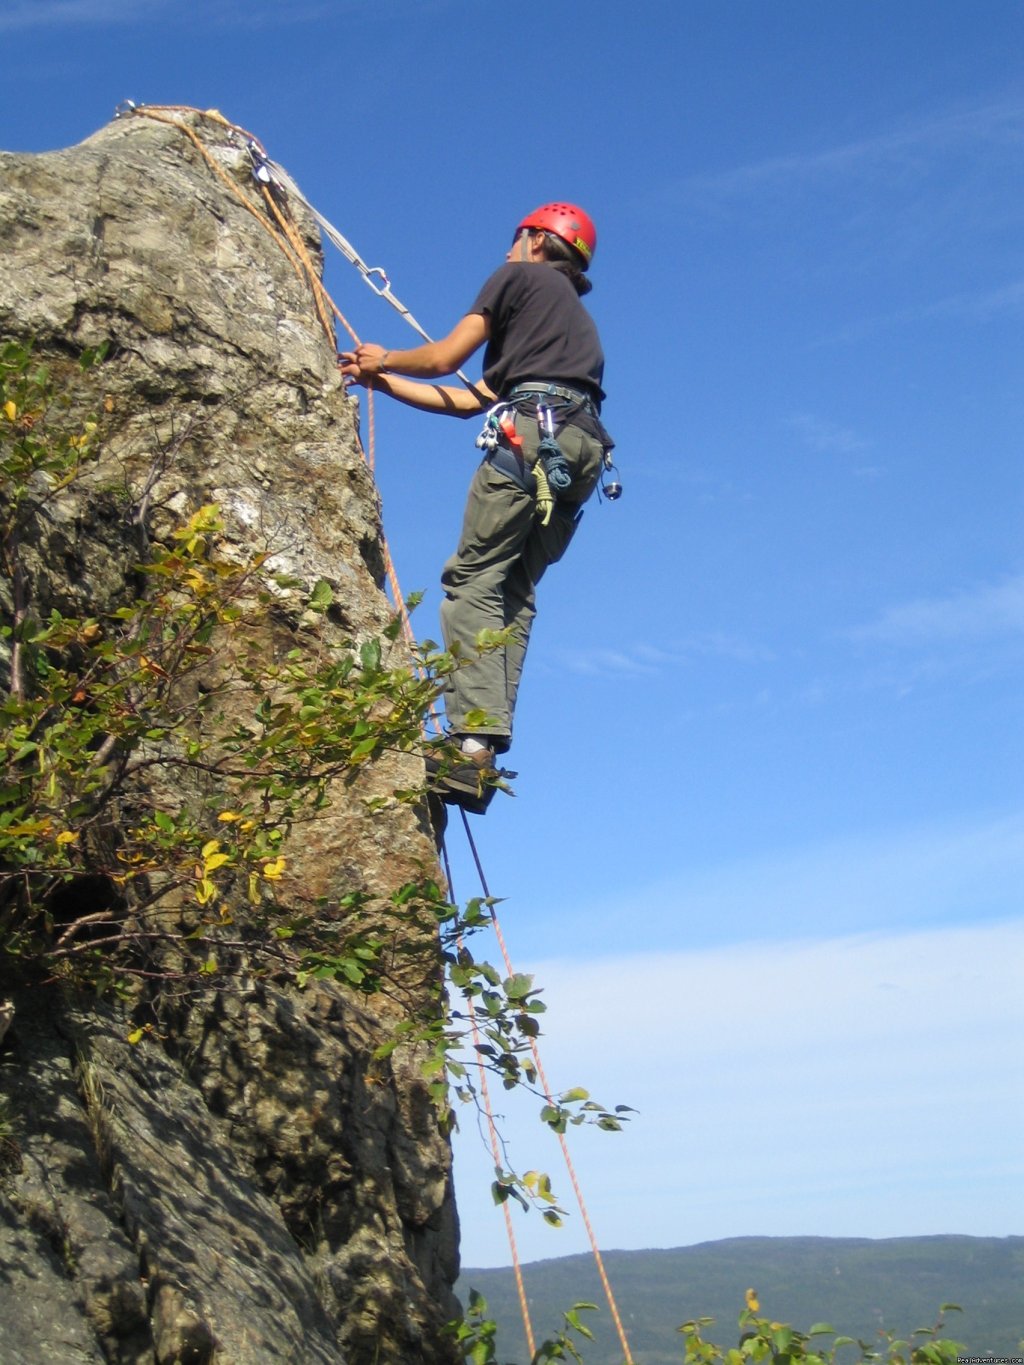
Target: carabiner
point(546, 420)
point(260, 163)
point(377, 270)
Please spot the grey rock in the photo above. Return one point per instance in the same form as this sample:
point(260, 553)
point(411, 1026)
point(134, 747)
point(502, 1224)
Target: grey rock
point(246, 1185)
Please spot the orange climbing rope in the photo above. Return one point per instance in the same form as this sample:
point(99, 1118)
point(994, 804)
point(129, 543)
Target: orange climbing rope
point(288, 239)
point(495, 1143)
point(285, 234)
point(570, 1167)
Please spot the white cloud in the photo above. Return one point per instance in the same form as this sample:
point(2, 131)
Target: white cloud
point(765, 1003)
point(852, 1086)
point(986, 611)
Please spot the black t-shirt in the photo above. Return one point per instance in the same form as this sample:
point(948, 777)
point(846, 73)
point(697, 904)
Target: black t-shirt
point(539, 330)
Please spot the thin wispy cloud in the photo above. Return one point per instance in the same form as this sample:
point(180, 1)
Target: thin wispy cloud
point(70, 13)
point(938, 873)
point(887, 202)
point(605, 663)
point(718, 644)
point(707, 485)
point(977, 306)
point(825, 437)
point(642, 658)
point(41, 14)
point(910, 149)
point(987, 611)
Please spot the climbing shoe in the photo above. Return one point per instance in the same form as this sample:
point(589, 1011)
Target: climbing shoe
point(461, 779)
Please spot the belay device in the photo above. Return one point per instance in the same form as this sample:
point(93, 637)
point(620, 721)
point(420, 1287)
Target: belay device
point(613, 488)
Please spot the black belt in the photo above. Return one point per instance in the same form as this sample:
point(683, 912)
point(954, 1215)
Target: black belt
point(578, 396)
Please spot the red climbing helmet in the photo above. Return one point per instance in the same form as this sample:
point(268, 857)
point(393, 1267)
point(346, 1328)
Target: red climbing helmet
point(567, 221)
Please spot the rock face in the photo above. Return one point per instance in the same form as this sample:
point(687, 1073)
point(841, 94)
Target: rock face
point(243, 1186)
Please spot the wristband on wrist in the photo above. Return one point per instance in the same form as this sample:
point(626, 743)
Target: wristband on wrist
point(384, 362)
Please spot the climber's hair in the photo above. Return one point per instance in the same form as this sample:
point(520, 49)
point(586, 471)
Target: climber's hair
point(567, 261)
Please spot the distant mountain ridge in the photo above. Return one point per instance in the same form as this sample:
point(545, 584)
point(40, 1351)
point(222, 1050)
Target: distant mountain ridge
point(859, 1285)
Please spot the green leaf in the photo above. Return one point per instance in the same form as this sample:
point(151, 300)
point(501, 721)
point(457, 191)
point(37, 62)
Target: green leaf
point(554, 1118)
point(519, 985)
point(322, 596)
point(821, 1329)
point(369, 655)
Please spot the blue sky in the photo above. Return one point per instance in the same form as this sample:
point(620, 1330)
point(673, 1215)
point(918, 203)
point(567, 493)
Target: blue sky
point(768, 846)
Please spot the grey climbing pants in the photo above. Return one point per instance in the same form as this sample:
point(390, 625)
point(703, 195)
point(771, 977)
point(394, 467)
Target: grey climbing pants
point(490, 581)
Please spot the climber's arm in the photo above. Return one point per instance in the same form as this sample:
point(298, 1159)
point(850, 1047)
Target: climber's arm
point(442, 398)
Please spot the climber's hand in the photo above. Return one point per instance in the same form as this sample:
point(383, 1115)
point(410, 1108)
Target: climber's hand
point(351, 371)
point(370, 358)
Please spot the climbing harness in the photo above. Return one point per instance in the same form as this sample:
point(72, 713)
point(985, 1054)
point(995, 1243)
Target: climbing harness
point(503, 446)
point(276, 187)
point(577, 398)
point(550, 476)
point(503, 450)
point(566, 403)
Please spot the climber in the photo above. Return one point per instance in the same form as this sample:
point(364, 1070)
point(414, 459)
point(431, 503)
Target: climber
point(542, 373)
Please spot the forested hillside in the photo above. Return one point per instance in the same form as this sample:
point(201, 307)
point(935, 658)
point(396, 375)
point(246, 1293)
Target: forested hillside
point(860, 1286)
